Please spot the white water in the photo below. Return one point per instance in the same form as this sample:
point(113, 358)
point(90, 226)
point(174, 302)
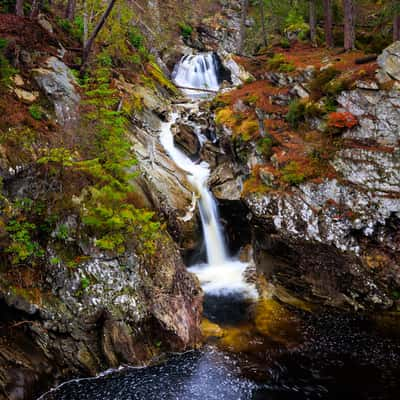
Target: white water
point(198, 71)
point(221, 275)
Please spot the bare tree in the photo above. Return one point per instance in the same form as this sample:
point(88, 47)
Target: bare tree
point(349, 25)
point(19, 8)
point(245, 6)
point(70, 10)
point(313, 21)
point(88, 45)
point(396, 19)
point(328, 23)
point(264, 30)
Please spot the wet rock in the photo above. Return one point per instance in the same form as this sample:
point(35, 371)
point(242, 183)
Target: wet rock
point(225, 184)
point(58, 83)
point(185, 137)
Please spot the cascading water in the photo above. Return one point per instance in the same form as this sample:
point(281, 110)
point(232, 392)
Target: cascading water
point(221, 275)
point(198, 71)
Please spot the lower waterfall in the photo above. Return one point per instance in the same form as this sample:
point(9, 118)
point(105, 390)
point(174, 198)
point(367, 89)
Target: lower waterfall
point(221, 275)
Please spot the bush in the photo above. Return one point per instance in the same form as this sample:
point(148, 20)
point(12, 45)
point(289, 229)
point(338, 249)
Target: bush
point(36, 112)
point(264, 147)
point(278, 63)
point(296, 113)
point(6, 70)
point(319, 85)
point(342, 120)
point(292, 174)
point(136, 39)
point(186, 30)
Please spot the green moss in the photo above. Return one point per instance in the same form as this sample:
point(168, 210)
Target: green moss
point(156, 73)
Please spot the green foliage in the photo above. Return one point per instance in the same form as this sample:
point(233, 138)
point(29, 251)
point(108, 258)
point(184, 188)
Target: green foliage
point(285, 43)
point(278, 63)
point(292, 174)
point(264, 146)
point(75, 28)
point(22, 245)
point(107, 212)
point(186, 30)
point(36, 112)
point(6, 70)
point(295, 23)
point(295, 113)
point(136, 39)
point(299, 111)
point(319, 86)
point(62, 232)
point(85, 282)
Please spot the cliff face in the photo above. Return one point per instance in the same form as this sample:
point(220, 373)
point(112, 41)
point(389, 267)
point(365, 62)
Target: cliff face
point(67, 307)
point(324, 202)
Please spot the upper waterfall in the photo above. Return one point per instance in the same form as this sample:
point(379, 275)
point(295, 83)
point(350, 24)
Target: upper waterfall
point(199, 71)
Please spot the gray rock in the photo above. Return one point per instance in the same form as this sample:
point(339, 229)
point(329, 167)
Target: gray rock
point(58, 83)
point(389, 63)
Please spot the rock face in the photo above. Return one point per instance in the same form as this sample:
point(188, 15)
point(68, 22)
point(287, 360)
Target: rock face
point(389, 63)
point(337, 242)
point(334, 241)
point(102, 314)
point(57, 82)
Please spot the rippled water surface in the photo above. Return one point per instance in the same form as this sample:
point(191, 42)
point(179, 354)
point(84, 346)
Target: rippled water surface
point(337, 357)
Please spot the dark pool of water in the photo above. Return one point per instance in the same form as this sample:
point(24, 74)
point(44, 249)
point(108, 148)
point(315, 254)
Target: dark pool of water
point(338, 357)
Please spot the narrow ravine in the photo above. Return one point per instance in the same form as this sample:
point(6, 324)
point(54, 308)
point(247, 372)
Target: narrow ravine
point(254, 348)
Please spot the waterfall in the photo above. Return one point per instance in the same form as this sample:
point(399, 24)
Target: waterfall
point(198, 71)
point(221, 275)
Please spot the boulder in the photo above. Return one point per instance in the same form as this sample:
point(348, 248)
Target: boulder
point(389, 63)
point(186, 138)
point(58, 83)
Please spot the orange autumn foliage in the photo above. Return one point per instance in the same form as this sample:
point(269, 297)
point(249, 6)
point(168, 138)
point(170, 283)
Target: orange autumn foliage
point(342, 120)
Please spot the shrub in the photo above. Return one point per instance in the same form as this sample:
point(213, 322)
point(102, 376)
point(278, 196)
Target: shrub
point(278, 63)
point(342, 120)
point(318, 86)
point(186, 30)
point(6, 70)
point(36, 112)
point(136, 39)
point(264, 146)
point(295, 113)
point(292, 174)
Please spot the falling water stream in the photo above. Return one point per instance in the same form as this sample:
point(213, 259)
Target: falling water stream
point(331, 356)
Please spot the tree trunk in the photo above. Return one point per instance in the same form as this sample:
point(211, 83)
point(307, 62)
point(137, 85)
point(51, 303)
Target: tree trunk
point(85, 23)
point(70, 11)
point(396, 28)
point(19, 8)
point(35, 9)
point(88, 45)
point(328, 23)
point(349, 31)
point(264, 30)
point(245, 5)
point(313, 22)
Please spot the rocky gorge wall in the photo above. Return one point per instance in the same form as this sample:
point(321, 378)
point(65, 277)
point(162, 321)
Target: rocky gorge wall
point(335, 239)
point(71, 309)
